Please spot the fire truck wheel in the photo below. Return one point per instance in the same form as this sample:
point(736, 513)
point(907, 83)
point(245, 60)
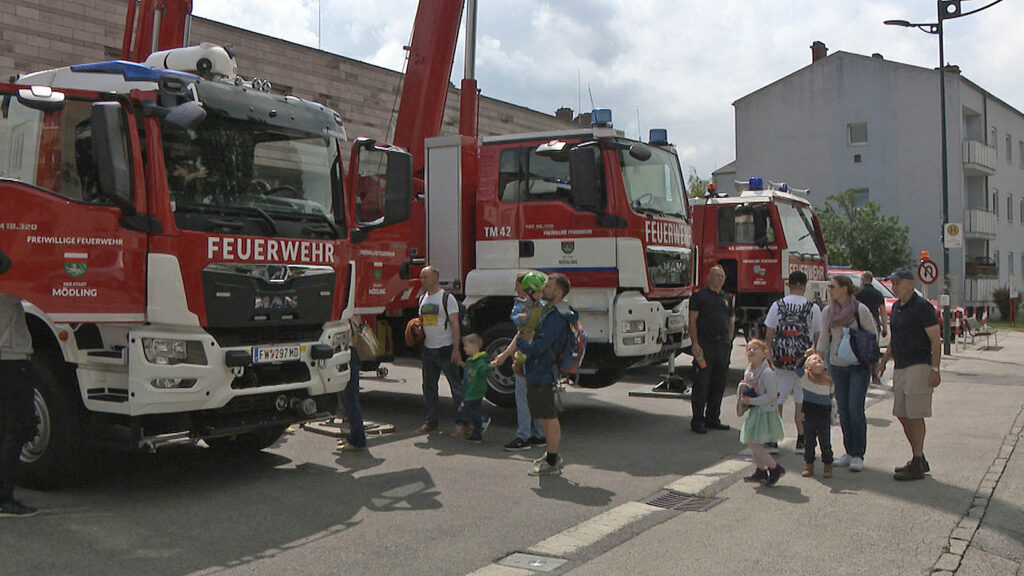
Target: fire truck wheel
point(51, 458)
point(501, 384)
point(249, 442)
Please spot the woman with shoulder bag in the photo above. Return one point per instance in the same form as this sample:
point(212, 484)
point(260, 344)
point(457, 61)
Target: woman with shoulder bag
point(842, 315)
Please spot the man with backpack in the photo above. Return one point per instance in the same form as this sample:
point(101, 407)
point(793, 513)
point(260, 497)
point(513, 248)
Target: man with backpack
point(542, 370)
point(793, 325)
point(439, 313)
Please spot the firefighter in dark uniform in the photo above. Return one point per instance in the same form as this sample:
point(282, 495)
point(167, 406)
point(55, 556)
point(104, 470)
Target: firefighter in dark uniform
point(712, 326)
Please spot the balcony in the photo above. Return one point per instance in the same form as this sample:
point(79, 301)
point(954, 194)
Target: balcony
point(979, 158)
point(981, 267)
point(979, 290)
point(980, 223)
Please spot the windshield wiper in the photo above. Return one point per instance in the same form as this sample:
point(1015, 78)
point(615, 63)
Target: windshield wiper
point(228, 209)
point(319, 228)
point(650, 211)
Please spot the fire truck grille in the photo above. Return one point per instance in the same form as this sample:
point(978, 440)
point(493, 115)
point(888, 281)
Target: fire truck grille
point(253, 335)
point(273, 375)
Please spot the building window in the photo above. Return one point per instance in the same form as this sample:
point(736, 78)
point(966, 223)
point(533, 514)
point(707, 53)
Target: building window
point(860, 197)
point(1009, 262)
point(994, 140)
point(1009, 207)
point(1022, 212)
point(1009, 149)
point(857, 133)
point(995, 202)
point(1020, 152)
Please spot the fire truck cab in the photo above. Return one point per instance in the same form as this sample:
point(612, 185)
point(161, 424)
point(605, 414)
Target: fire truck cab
point(759, 237)
point(181, 241)
point(609, 212)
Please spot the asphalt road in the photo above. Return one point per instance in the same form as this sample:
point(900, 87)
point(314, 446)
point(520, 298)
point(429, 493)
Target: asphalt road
point(410, 505)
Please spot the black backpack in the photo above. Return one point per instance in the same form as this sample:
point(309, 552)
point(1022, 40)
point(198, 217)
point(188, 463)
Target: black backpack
point(793, 334)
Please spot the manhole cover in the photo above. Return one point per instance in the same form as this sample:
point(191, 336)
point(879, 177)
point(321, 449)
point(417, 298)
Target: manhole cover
point(672, 500)
point(532, 562)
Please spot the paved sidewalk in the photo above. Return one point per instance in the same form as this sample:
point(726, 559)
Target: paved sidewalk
point(966, 518)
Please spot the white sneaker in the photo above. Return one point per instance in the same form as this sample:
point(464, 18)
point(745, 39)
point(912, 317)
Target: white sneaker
point(856, 464)
point(844, 460)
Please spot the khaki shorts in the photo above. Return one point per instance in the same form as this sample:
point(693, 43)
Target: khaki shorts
point(541, 400)
point(911, 392)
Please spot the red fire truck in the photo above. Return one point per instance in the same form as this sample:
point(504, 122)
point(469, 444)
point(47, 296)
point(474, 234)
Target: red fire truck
point(608, 211)
point(181, 239)
point(759, 236)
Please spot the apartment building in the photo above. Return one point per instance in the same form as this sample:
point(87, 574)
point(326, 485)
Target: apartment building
point(863, 122)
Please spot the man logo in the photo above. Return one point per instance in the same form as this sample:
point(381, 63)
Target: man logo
point(568, 247)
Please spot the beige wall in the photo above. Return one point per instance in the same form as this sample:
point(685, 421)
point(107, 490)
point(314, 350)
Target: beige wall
point(41, 34)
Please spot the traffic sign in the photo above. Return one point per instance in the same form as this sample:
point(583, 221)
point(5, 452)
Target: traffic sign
point(953, 237)
point(928, 271)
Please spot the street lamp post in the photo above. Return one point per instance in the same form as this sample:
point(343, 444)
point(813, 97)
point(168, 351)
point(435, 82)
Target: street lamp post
point(947, 10)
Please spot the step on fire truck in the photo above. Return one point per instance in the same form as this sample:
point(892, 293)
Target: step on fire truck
point(608, 211)
point(181, 239)
point(759, 237)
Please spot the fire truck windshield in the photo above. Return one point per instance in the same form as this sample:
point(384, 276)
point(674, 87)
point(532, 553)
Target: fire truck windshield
point(653, 186)
point(798, 227)
point(266, 180)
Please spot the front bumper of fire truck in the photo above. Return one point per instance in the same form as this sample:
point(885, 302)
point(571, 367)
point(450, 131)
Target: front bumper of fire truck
point(644, 328)
point(174, 371)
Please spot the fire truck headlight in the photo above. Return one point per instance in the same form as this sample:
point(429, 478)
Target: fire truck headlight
point(631, 326)
point(168, 352)
point(173, 383)
point(634, 340)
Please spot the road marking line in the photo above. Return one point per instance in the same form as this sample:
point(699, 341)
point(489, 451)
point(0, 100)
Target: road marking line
point(593, 530)
point(710, 481)
point(499, 570)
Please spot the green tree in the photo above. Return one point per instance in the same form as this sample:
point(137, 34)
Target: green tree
point(861, 237)
point(695, 185)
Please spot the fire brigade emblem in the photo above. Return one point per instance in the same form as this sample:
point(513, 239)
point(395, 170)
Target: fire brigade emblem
point(568, 247)
point(75, 264)
point(378, 274)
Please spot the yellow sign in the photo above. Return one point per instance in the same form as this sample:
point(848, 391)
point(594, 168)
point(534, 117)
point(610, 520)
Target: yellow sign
point(953, 236)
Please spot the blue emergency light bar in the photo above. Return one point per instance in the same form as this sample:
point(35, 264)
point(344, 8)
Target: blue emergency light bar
point(755, 183)
point(601, 118)
point(659, 137)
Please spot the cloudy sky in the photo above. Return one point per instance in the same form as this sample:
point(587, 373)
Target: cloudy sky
point(675, 64)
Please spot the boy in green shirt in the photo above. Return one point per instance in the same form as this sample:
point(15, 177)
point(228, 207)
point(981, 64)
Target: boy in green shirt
point(478, 368)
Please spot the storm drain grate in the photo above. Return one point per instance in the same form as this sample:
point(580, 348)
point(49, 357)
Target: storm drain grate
point(672, 500)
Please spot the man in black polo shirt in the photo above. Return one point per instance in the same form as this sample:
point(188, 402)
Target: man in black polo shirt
point(711, 333)
point(869, 296)
point(917, 350)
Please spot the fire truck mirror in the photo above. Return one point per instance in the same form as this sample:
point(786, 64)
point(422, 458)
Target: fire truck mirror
point(110, 152)
point(42, 98)
point(185, 116)
point(585, 172)
point(398, 197)
point(5, 262)
point(640, 152)
point(761, 225)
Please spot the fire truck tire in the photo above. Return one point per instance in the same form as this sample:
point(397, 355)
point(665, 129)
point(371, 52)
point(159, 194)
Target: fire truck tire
point(52, 458)
point(501, 385)
point(249, 442)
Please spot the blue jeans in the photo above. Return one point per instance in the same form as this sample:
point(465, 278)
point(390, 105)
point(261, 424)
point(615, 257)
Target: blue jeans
point(851, 393)
point(435, 361)
point(528, 427)
point(473, 412)
point(349, 397)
